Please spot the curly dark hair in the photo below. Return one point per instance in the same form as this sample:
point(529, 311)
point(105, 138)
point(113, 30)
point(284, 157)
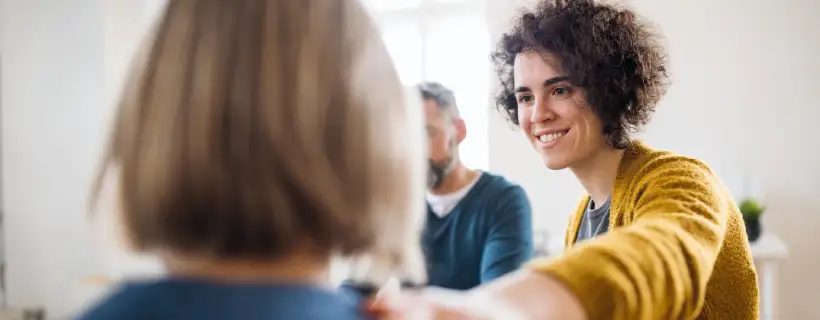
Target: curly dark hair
point(617, 61)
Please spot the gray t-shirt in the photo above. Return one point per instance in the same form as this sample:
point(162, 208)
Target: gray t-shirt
point(594, 222)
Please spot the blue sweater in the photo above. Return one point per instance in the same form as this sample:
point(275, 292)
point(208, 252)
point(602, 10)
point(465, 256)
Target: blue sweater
point(179, 299)
point(488, 234)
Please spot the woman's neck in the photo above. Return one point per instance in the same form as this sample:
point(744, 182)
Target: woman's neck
point(597, 173)
point(293, 269)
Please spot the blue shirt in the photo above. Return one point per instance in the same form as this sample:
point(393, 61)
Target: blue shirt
point(181, 299)
point(486, 235)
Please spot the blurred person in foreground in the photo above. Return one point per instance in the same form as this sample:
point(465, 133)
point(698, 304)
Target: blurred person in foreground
point(255, 141)
point(657, 236)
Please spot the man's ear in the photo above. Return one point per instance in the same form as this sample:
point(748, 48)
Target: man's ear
point(461, 129)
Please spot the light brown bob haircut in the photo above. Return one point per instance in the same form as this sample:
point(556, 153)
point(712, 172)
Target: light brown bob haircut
point(250, 129)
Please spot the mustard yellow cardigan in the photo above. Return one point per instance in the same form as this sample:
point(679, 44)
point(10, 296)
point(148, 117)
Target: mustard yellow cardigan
point(676, 247)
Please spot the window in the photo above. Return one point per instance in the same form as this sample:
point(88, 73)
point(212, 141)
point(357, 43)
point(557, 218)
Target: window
point(445, 41)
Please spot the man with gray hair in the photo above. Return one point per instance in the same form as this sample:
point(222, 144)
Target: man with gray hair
point(478, 225)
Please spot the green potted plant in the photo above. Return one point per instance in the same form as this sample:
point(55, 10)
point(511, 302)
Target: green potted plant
point(752, 211)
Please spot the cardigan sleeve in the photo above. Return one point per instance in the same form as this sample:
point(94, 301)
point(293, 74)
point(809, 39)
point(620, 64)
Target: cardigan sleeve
point(659, 265)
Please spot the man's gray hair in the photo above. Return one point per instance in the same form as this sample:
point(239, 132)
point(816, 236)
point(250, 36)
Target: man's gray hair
point(444, 97)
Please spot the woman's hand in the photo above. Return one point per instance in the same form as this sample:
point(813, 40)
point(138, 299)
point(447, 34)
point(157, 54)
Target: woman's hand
point(518, 296)
point(424, 304)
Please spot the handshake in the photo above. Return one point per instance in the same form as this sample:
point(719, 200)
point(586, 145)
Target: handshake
point(504, 299)
point(395, 300)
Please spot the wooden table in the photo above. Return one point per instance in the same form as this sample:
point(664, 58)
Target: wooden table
point(768, 251)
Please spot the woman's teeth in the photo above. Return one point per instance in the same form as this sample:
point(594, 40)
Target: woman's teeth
point(550, 137)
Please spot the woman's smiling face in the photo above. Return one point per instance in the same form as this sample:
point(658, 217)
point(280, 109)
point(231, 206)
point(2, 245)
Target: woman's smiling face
point(552, 112)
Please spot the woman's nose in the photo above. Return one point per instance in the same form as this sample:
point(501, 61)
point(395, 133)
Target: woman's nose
point(541, 112)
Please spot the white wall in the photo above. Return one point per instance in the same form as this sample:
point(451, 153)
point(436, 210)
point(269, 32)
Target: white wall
point(63, 63)
point(52, 110)
point(745, 98)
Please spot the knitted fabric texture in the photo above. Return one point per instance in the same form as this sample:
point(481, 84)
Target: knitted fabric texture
point(676, 246)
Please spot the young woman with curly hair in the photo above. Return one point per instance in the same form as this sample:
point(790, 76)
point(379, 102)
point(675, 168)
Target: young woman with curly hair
point(658, 235)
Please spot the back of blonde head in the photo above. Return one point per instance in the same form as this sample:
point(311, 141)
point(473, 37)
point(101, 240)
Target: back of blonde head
point(254, 128)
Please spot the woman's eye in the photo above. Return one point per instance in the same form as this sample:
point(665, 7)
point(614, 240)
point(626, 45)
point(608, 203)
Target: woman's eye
point(524, 99)
point(560, 91)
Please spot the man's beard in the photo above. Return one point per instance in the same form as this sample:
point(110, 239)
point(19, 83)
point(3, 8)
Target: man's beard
point(438, 171)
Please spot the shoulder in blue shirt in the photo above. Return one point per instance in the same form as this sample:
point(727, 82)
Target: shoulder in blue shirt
point(178, 299)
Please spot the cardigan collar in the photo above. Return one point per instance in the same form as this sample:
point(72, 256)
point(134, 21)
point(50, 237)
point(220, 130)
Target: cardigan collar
point(635, 150)
point(627, 170)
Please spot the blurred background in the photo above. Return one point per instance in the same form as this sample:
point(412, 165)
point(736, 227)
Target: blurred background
point(744, 98)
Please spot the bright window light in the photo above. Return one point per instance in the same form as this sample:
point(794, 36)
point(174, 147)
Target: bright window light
point(445, 41)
